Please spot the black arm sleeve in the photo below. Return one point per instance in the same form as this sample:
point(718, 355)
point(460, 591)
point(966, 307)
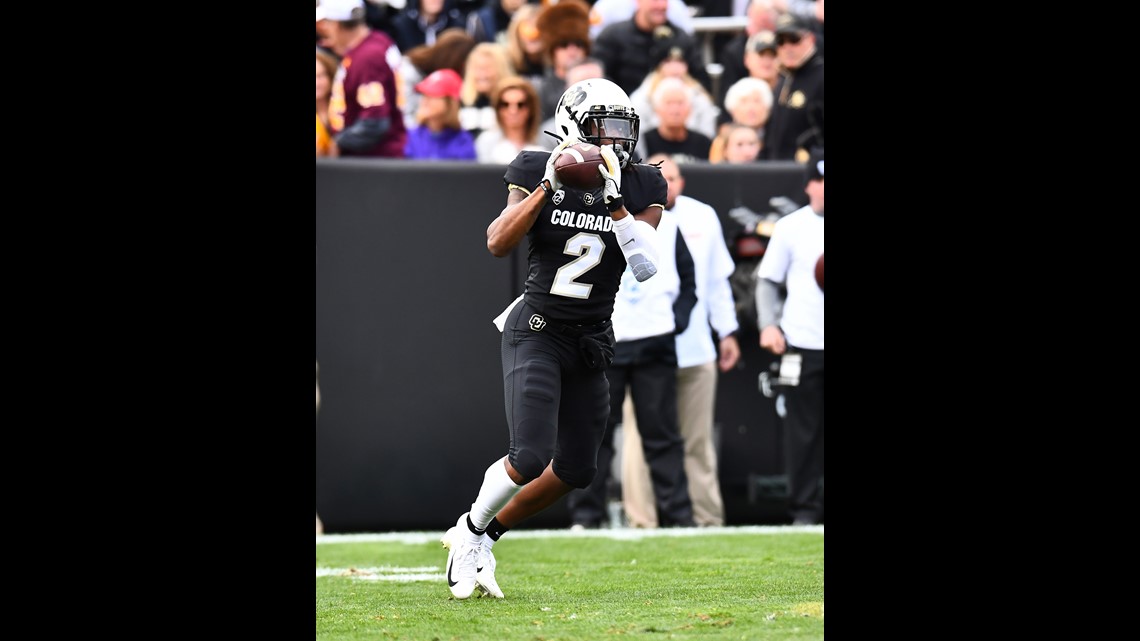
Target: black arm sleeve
point(363, 134)
point(687, 298)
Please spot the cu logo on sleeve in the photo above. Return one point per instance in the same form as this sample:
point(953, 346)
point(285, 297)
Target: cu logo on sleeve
point(537, 322)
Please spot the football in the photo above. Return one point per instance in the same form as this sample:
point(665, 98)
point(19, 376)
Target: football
point(819, 272)
point(577, 167)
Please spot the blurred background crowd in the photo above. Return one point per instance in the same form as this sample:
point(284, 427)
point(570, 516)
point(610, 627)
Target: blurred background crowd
point(717, 81)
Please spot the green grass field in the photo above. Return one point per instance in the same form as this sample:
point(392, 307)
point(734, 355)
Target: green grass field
point(740, 583)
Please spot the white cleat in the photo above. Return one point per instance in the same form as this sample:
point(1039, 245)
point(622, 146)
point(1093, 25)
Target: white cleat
point(461, 559)
point(485, 564)
point(485, 571)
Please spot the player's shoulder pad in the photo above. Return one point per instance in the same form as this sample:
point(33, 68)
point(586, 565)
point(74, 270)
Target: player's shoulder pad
point(647, 187)
point(527, 168)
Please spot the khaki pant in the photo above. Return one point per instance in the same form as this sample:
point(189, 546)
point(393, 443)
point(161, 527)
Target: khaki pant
point(696, 396)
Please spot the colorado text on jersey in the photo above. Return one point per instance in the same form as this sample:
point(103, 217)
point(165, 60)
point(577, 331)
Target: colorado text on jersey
point(595, 222)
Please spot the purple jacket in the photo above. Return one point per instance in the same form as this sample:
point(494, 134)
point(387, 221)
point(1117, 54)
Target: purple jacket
point(449, 144)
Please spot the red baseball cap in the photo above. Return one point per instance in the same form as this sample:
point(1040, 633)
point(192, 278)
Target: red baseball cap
point(441, 83)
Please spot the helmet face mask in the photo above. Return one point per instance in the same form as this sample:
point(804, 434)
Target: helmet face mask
point(596, 111)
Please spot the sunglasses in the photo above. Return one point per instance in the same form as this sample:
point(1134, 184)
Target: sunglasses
point(577, 43)
point(792, 38)
point(516, 105)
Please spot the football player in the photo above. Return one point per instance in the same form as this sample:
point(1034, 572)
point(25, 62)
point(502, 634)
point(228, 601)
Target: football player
point(557, 337)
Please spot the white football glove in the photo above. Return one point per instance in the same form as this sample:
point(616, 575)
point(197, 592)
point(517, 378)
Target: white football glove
point(551, 176)
point(611, 172)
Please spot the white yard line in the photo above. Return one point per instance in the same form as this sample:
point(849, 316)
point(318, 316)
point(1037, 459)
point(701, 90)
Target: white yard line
point(619, 534)
point(384, 569)
point(386, 573)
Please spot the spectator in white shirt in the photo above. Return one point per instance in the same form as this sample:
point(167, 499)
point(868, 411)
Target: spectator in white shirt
point(697, 362)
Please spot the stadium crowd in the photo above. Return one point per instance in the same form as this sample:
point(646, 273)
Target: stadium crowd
point(377, 95)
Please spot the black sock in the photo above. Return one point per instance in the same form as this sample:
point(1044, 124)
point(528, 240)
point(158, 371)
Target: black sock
point(471, 526)
point(496, 529)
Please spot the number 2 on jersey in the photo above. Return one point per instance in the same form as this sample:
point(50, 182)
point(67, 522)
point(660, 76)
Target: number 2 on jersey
point(588, 248)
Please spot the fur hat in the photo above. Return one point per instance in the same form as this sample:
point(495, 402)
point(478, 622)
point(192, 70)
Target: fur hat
point(450, 51)
point(566, 20)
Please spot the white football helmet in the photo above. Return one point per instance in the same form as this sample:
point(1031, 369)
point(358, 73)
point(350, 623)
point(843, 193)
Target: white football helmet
point(597, 109)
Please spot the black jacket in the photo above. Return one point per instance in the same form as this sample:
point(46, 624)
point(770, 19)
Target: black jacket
point(629, 54)
point(796, 122)
point(408, 32)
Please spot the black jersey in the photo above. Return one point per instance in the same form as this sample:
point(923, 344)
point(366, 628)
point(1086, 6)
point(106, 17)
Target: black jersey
point(575, 264)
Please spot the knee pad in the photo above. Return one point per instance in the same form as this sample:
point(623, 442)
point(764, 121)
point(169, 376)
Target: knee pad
point(575, 477)
point(528, 463)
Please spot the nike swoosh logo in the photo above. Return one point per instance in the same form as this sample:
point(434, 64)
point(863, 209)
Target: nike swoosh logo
point(627, 242)
point(478, 569)
point(450, 583)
